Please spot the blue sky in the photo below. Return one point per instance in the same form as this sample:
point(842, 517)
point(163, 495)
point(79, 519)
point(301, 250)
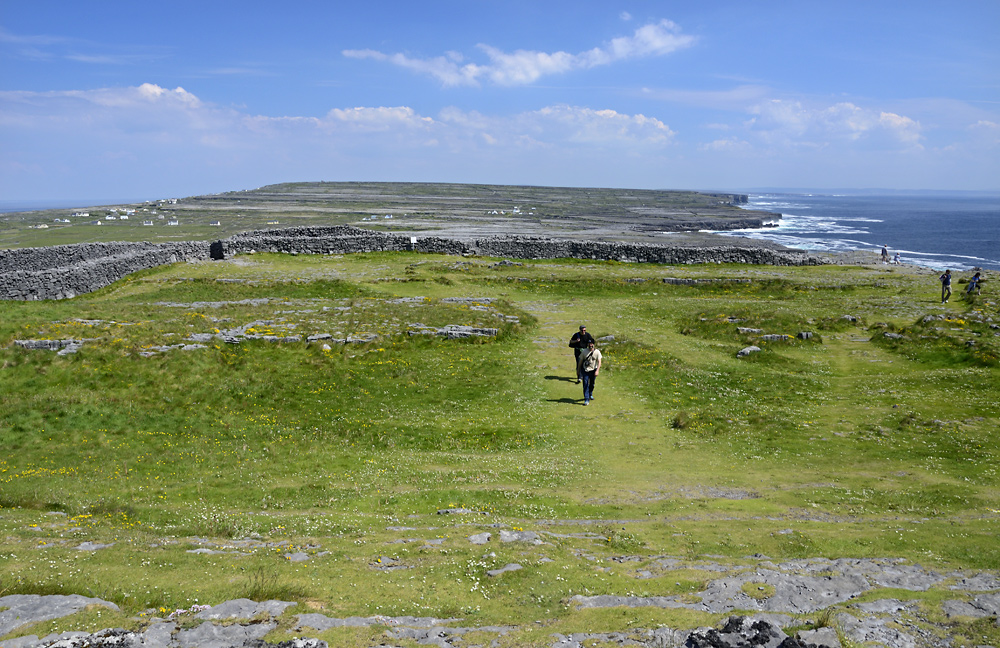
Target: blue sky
point(109, 99)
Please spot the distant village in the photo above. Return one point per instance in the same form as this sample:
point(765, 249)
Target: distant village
point(151, 216)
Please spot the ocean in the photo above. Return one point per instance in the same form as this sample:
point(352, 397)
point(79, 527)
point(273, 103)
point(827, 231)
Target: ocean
point(10, 206)
point(958, 231)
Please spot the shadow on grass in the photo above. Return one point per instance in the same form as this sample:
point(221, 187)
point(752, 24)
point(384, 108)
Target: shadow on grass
point(568, 401)
point(562, 378)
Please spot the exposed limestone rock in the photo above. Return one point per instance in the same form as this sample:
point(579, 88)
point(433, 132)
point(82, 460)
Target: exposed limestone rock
point(22, 609)
point(493, 573)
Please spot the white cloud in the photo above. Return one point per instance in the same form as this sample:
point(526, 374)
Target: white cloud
point(449, 70)
point(140, 136)
point(903, 128)
point(985, 134)
point(526, 66)
point(523, 67)
point(729, 145)
point(560, 126)
point(625, 16)
point(379, 118)
point(790, 122)
point(601, 127)
point(154, 92)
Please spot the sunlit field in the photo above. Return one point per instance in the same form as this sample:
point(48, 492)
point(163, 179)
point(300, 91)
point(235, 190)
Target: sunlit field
point(348, 472)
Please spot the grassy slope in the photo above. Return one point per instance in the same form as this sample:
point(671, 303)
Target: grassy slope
point(829, 447)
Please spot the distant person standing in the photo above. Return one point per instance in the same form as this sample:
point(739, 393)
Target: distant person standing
point(945, 286)
point(895, 259)
point(974, 284)
point(885, 254)
point(588, 366)
point(580, 340)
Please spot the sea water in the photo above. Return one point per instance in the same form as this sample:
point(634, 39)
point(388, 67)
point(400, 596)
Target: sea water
point(959, 231)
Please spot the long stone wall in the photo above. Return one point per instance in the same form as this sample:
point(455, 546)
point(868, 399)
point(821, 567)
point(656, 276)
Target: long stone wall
point(64, 271)
point(345, 239)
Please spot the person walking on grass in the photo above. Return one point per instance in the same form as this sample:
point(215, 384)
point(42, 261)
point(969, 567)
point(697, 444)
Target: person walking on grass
point(885, 254)
point(945, 280)
point(588, 366)
point(578, 343)
point(974, 284)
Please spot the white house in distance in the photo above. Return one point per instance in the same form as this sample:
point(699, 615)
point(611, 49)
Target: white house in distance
point(147, 223)
point(215, 224)
point(173, 221)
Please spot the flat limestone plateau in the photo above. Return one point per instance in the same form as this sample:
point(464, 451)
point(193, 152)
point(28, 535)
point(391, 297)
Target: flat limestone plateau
point(476, 210)
point(431, 209)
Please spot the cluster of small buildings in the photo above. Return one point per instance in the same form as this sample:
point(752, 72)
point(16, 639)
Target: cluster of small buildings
point(124, 213)
point(149, 214)
point(516, 210)
point(375, 217)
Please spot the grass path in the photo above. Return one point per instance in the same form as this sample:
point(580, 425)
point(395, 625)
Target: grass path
point(630, 449)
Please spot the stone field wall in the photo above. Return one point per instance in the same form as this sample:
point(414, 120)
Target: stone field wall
point(345, 239)
point(64, 271)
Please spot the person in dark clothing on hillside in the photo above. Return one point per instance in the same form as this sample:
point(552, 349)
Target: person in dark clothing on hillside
point(945, 280)
point(580, 341)
point(974, 284)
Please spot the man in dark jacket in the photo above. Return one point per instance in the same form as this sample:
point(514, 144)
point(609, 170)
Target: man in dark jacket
point(580, 341)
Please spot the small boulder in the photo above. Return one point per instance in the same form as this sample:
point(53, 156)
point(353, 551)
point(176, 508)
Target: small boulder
point(493, 573)
point(822, 637)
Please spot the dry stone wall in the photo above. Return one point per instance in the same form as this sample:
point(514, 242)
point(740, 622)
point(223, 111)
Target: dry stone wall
point(64, 271)
point(345, 239)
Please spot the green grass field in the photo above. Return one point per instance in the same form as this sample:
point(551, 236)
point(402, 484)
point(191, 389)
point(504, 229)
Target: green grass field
point(848, 444)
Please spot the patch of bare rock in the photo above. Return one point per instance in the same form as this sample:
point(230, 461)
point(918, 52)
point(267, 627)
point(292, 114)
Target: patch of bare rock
point(802, 594)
